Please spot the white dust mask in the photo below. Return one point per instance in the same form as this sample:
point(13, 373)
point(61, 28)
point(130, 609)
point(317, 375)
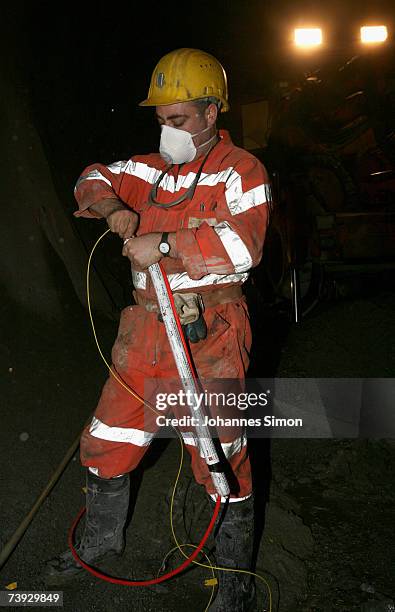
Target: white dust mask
point(177, 146)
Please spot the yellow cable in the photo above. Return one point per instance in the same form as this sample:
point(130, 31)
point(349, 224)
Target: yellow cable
point(179, 547)
point(137, 396)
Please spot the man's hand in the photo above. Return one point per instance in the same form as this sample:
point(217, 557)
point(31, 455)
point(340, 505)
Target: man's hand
point(143, 251)
point(123, 222)
point(120, 219)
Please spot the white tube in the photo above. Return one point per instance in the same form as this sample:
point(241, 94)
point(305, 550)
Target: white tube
point(206, 444)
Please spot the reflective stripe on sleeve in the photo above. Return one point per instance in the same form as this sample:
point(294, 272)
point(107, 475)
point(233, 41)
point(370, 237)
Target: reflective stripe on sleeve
point(234, 246)
point(98, 429)
point(149, 174)
point(94, 175)
point(238, 201)
point(118, 167)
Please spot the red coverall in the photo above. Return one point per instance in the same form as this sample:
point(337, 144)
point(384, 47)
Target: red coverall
point(219, 236)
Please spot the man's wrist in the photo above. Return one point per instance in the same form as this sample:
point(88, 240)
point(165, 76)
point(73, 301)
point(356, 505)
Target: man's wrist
point(173, 245)
point(106, 207)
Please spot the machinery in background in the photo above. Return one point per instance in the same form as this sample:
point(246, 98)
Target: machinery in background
point(331, 153)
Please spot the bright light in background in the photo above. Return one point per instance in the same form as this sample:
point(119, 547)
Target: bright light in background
point(308, 37)
point(374, 34)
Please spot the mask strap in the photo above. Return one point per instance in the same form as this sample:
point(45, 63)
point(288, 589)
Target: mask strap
point(207, 141)
point(152, 201)
point(201, 132)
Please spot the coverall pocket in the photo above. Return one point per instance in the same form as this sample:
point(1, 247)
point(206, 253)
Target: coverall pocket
point(218, 324)
point(219, 355)
point(195, 220)
point(198, 213)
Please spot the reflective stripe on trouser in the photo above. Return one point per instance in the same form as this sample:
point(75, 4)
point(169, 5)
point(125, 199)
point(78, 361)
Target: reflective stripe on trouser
point(122, 429)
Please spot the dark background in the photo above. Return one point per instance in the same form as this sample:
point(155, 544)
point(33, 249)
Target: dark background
point(87, 66)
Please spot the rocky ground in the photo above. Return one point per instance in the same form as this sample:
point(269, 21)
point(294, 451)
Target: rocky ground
point(343, 488)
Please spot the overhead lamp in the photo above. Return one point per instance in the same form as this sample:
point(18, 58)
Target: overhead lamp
point(307, 37)
point(374, 34)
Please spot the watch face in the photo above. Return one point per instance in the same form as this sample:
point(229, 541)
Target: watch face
point(164, 247)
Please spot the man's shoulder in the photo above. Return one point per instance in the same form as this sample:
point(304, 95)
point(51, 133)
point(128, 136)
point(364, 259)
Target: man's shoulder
point(240, 154)
point(150, 159)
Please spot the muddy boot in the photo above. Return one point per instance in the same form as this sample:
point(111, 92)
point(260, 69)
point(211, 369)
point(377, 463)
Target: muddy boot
point(107, 503)
point(234, 549)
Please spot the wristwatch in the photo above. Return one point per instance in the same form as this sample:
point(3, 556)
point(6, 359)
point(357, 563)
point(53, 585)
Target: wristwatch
point(164, 246)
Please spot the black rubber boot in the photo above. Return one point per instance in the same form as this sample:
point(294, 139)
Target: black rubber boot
point(107, 503)
point(234, 549)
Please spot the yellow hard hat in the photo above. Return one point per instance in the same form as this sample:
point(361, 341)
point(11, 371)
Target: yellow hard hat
point(187, 74)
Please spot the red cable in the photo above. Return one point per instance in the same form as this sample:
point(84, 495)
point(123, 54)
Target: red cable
point(178, 569)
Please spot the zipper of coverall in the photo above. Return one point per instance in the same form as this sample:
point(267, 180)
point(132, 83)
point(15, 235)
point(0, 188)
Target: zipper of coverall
point(175, 170)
